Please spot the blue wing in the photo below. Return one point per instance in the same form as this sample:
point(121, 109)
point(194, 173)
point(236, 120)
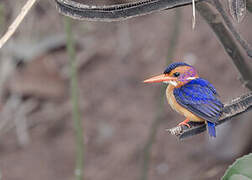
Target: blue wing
point(200, 97)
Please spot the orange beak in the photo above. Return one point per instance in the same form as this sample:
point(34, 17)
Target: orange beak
point(160, 78)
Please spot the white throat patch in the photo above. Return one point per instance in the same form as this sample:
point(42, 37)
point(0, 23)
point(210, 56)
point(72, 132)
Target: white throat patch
point(174, 83)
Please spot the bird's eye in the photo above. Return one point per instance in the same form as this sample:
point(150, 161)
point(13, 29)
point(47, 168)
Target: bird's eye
point(176, 74)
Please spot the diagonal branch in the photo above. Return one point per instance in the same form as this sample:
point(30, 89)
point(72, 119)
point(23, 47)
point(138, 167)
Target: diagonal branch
point(235, 107)
point(116, 12)
point(17, 22)
point(232, 49)
point(229, 24)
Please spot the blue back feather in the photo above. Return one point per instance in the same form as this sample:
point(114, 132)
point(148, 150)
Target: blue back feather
point(200, 97)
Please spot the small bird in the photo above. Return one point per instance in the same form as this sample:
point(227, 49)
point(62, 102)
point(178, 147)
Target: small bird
point(190, 95)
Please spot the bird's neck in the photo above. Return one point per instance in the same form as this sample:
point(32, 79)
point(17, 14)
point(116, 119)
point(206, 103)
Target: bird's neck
point(170, 88)
point(170, 97)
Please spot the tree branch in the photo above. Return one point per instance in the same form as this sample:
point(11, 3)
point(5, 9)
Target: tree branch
point(116, 12)
point(230, 46)
point(17, 22)
point(234, 108)
point(229, 24)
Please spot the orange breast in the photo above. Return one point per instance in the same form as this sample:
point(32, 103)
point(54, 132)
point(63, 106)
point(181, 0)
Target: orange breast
point(173, 103)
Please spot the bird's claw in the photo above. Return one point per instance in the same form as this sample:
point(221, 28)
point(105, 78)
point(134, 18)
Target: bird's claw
point(184, 123)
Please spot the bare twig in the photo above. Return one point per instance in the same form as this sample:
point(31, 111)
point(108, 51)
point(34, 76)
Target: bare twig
point(75, 101)
point(16, 22)
point(230, 46)
point(235, 107)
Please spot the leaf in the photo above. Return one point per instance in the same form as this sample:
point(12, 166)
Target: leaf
point(241, 169)
point(237, 9)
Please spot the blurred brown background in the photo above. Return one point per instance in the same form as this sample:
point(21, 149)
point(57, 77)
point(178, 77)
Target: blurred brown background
point(118, 110)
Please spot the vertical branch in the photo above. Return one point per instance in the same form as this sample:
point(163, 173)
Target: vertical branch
point(160, 103)
point(2, 19)
point(75, 102)
point(230, 46)
point(16, 22)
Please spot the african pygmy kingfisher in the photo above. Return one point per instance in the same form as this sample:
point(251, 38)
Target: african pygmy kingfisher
point(190, 95)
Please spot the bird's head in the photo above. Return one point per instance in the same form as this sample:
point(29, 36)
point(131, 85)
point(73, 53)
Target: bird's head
point(177, 74)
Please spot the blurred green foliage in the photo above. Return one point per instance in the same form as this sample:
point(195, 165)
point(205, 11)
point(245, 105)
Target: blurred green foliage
point(241, 169)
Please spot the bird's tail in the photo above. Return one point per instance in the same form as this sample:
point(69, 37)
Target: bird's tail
point(211, 129)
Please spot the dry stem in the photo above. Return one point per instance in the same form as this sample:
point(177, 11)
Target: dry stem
point(16, 22)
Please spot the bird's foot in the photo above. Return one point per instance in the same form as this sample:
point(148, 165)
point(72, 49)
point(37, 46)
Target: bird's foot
point(185, 122)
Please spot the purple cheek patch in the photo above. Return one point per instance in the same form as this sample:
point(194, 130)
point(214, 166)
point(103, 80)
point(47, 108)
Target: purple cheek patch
point(189, 73)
